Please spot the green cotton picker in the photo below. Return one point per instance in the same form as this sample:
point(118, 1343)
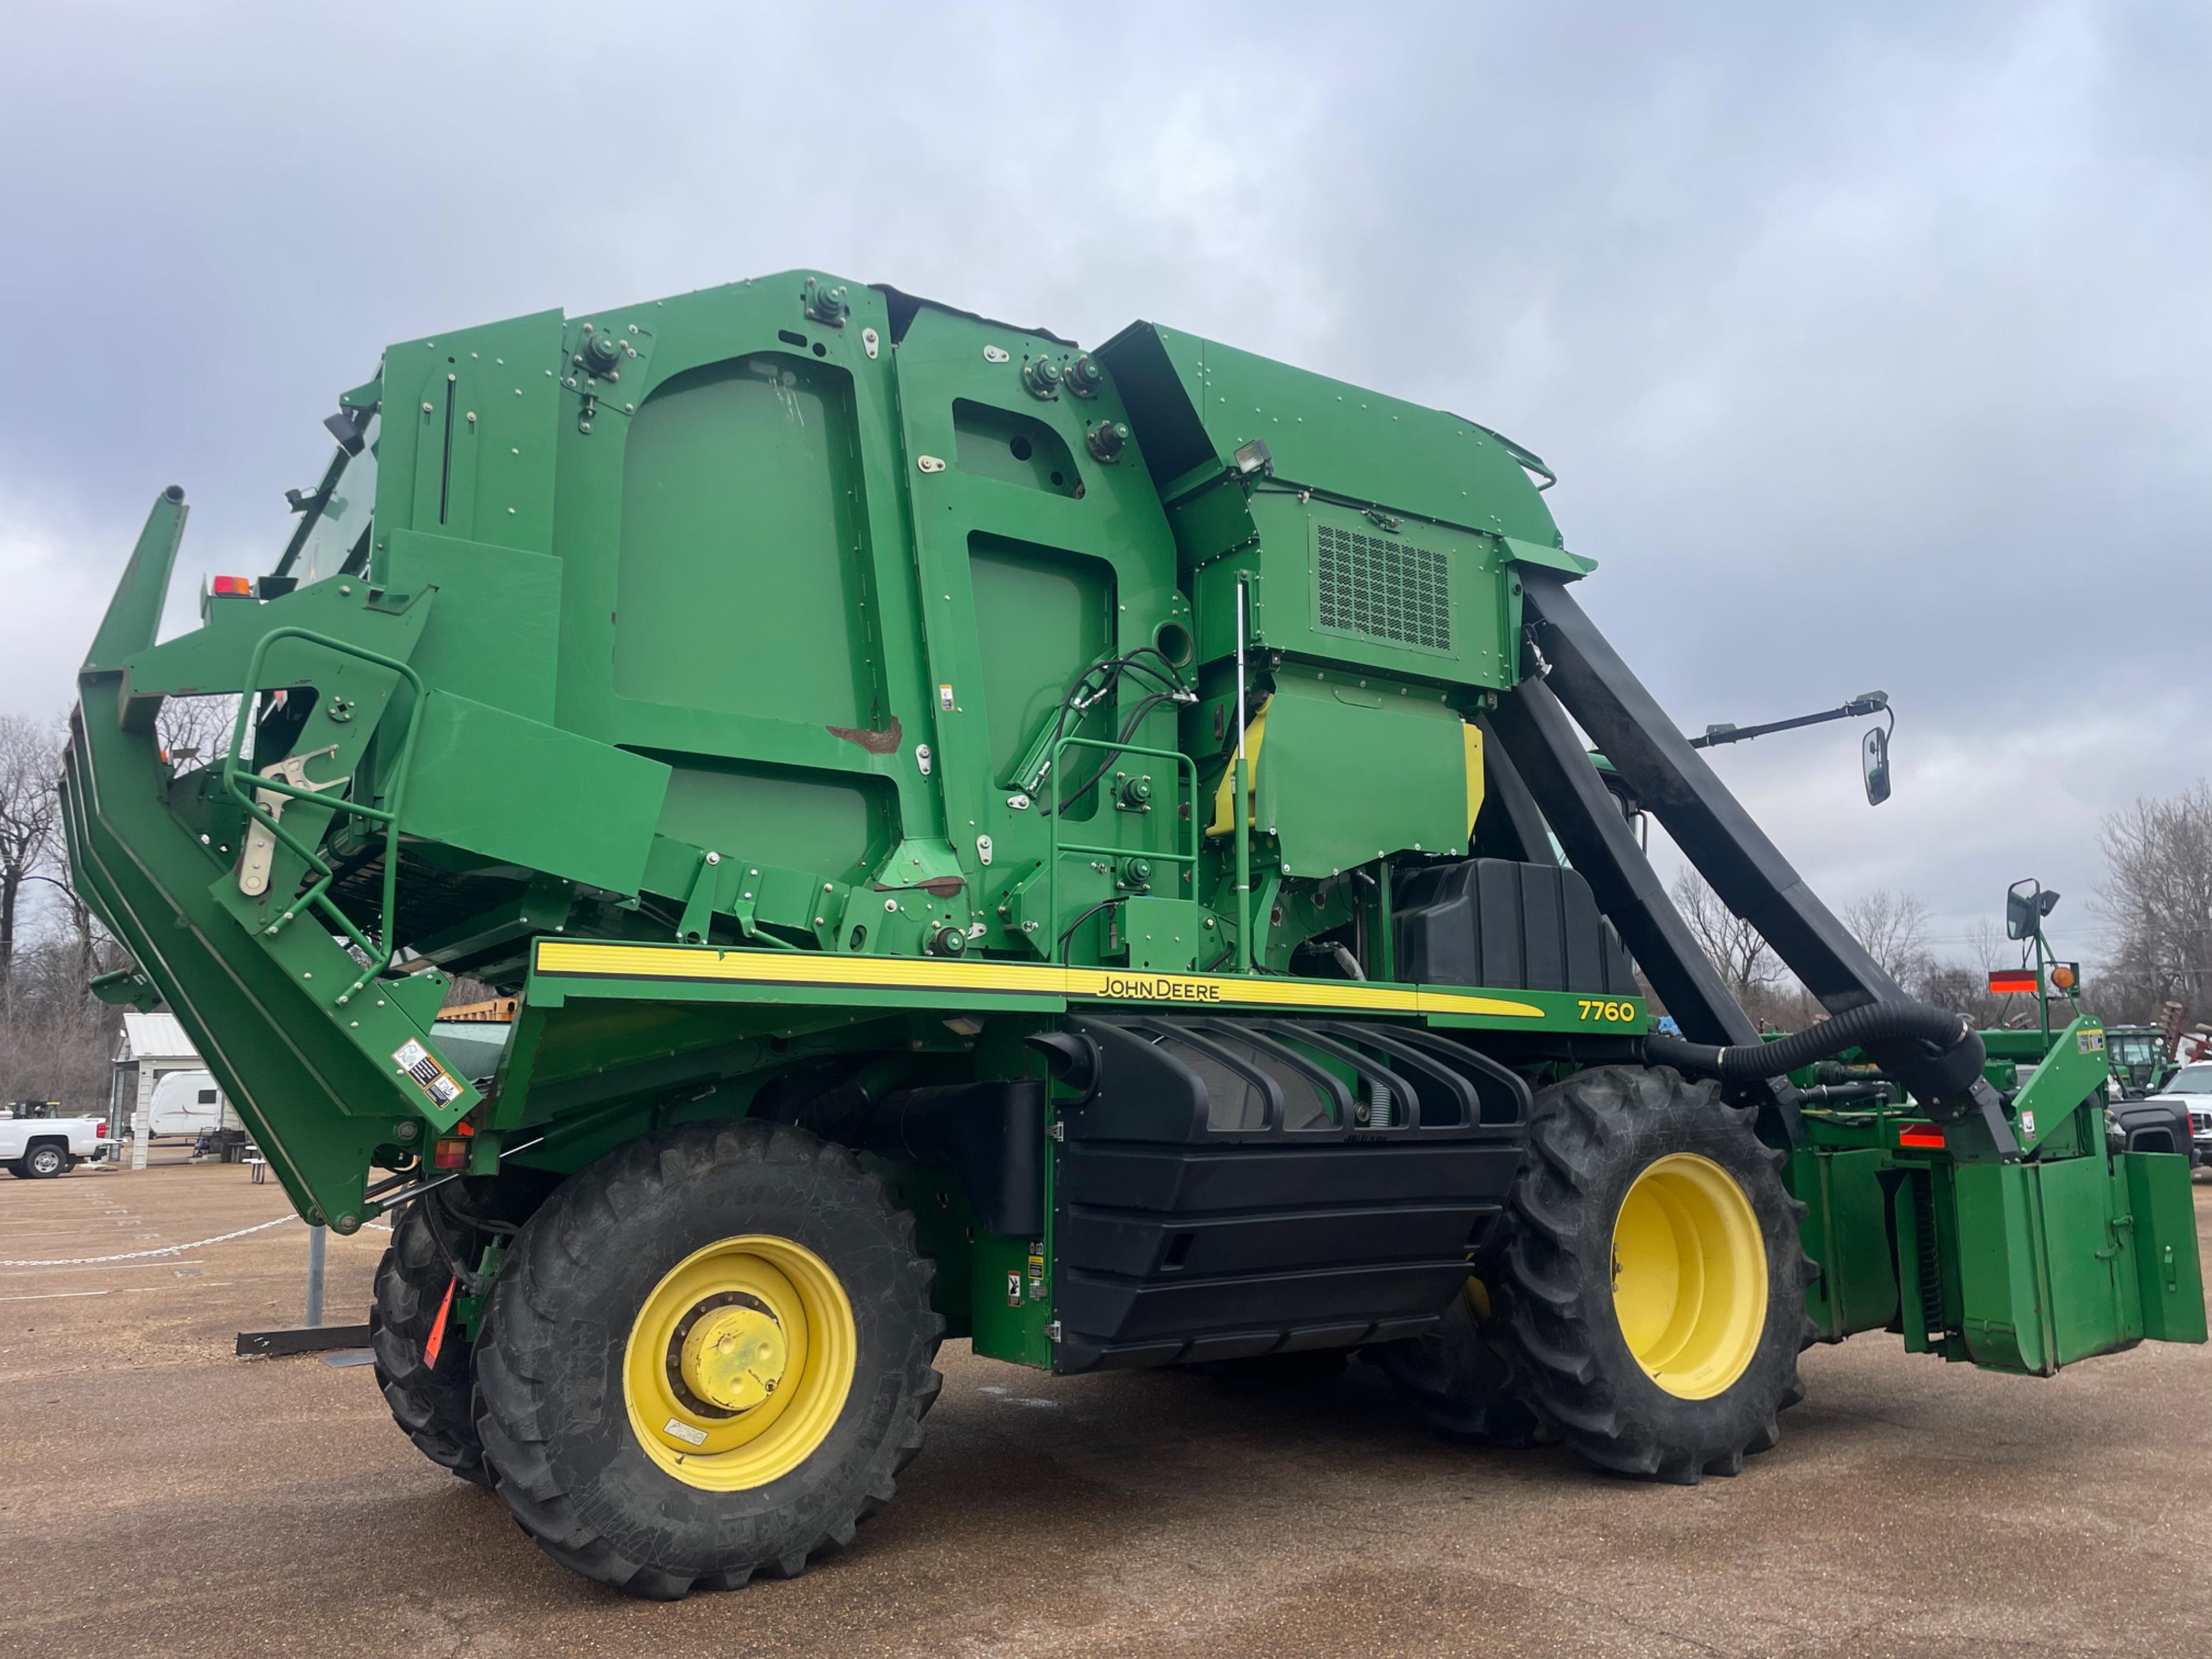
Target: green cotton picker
point(1095, 852)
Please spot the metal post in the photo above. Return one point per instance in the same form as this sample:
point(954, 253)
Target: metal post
point(2042, 989)
point(141, 1121)
point(1387, 943)
point(1247, 956)
point(317, 1242)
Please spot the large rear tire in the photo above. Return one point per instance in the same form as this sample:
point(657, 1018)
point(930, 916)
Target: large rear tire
point(708, 1357)
point(1654, 1290)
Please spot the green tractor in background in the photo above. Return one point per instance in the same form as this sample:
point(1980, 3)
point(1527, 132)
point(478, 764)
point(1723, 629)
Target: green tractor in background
point(1089, 852)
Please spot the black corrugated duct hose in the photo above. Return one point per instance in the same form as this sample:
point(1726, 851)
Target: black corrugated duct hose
point(1947, 1036)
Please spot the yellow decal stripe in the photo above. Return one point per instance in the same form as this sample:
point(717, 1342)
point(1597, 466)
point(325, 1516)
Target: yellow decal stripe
point(576, 958)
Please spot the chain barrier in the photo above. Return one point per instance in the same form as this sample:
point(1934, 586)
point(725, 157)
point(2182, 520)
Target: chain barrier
point(166, 1249)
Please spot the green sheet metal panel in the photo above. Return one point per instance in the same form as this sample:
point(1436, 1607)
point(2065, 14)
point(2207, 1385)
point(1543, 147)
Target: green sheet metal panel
point(1400, 597)
point(1041, 615)
point(2047, 1264)
point(466, 444)
point(743, 581)
point(494, 634)
point(2167, 1269)
point(1361, 445)
point(524, 793)
point(1350, 772)
point(840, 826)
point(989, 527)
point(2095, 1305)
point(696, 341)
point(1846, 1230)
point(2003, 1314)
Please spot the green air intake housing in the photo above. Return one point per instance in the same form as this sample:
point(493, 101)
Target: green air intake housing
point(1370, 533)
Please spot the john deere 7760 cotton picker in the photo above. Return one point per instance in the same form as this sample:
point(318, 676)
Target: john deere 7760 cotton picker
point(1057, 848)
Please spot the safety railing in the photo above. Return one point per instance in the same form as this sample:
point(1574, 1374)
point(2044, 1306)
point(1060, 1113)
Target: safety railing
point(244, 786)
point(1186, 814)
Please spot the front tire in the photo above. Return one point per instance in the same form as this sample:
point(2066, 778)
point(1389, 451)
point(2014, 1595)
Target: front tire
point(708, 1357)
point(45, 1163)
point(430, 1393)
point(1654, 1289)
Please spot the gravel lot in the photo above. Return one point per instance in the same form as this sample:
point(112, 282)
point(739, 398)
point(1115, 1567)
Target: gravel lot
point(162, 1497)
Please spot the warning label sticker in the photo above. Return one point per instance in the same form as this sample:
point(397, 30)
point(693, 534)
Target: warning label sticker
point(2089, 1043)
point(419, 1063)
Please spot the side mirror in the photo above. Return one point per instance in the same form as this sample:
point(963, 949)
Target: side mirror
point(1873, 764)
point(2026, 906)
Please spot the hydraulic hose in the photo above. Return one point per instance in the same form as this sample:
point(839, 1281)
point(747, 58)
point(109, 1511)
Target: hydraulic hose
point(1946, 1035)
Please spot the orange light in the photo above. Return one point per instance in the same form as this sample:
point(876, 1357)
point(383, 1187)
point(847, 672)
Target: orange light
point(2012, 983)
point(449, 1155)
point(2063, 977)
point(235, 584)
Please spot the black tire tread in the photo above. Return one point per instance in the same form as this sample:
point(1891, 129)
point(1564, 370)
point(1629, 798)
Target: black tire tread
point(513, 1420)
point(1456, 1382)
point(431, 1404)
point(1566, 1353)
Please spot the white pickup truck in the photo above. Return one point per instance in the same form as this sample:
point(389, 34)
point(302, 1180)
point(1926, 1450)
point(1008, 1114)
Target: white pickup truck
point(38, 1148)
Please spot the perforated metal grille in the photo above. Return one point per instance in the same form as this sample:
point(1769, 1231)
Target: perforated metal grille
point(1384, 588)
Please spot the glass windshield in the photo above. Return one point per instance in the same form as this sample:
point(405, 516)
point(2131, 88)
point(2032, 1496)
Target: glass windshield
point(2191, 1080)
point(337, 532)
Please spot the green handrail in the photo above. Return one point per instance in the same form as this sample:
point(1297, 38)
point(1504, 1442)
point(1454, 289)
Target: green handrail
point(318, 896)
point(1186, 776)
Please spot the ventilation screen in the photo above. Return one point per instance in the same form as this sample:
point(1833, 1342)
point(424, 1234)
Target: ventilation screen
point(1384, 589)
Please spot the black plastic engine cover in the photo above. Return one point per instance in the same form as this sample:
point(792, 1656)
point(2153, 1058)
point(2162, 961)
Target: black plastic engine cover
point(1235, 1187)
point(1522, 927)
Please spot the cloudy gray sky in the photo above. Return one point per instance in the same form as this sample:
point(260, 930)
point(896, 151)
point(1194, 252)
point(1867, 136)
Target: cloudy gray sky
point(1871, 341)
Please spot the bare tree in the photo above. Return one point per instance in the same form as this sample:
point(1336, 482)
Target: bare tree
point(1744, 958)
point(195, 731)
point(2157, 894)
point(91, 945)
point(28, 765)
point(1892, 926)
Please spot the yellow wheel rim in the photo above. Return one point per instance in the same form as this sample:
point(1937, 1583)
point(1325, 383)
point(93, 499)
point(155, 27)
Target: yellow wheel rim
point(1689, 1275)
point(739, 1362)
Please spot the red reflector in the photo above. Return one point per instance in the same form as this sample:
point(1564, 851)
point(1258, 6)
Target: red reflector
point(2012, 983)
point(449, 1155)
point(1920, 1134)
point(234, 584)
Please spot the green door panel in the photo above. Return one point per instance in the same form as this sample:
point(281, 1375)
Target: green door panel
point(742, 582)
point(1349, 773)
point(1041, 616)
point(2094, 1300)
point(2168, 1268)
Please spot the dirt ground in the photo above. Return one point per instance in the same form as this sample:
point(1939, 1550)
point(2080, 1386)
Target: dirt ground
point(162, 1497)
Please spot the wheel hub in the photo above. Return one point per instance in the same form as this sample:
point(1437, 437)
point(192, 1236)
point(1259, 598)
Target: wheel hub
point(739, 1363)
point(1689, 1276)
point(733, 1358)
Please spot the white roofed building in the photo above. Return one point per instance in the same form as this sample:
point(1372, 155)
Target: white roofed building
point(152, 1047)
